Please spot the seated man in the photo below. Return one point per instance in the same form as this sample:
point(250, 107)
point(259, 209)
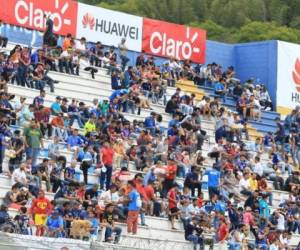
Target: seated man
point(55, 225)
point(74, 142)
point(58, 127)
point(109, 224)
point(220, 89)
point(193, 232)
point(41, 171)
point(41, 79)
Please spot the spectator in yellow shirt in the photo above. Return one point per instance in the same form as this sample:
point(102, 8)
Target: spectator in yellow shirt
point(90, 125)
point(253, 182)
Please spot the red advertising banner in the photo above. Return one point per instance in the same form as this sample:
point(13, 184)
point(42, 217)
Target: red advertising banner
point(173, 40)
point(29, 14)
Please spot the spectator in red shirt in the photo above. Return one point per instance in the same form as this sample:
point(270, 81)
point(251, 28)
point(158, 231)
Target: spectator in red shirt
point(170, 176)
point(106, 162)
point(223, 234)
point(172, 204)
point(59, 127)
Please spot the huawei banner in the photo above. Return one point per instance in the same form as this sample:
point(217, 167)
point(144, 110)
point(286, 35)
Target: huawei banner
point(173, 40)
point(109, 27)
point(30, 14)
point(288, 77)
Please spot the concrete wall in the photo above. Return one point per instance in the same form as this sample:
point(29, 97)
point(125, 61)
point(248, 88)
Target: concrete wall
point(258, 60)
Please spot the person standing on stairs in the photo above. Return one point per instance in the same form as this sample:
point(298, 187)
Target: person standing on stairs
point(134, 206)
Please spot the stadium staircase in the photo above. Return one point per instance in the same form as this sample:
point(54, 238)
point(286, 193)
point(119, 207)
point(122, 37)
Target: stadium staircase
point(158, 233)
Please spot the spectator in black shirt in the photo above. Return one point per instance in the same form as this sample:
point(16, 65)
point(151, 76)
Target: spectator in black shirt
point(252, 201)
point(3, 39)
point(292, 183)
point(109, 224)
point(140, 60)
point(193, 232)
point(172, 105)
point(64, 105)
point(41, 171)
point(18, 147)
point(192, 181)
point(237, 91)
point(92, 193)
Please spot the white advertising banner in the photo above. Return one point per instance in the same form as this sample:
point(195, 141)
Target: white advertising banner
point(288, 77)
point(109, 27)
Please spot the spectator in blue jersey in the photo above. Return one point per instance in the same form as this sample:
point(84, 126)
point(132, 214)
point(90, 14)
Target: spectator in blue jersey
point(213, 181)
point(220, 89)
point(280, 132)
point(74, 140)
point(118, 93)
point(55, 225)
point(134, 206)
point(146, 87)
point(91, 217)
point(116, 80)
point(40, 99)
point(150, 122)
point(70, 172)
point(74, 114)
point(128, 77)
point(96, 54)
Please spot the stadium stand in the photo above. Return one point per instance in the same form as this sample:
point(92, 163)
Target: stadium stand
point(141, 156)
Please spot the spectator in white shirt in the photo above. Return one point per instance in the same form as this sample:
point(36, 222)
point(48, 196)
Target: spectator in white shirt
point(19, 176)
point(193, 208)
point(110, 196)
point(80, 46)
point(244, 185)
point(258, 167)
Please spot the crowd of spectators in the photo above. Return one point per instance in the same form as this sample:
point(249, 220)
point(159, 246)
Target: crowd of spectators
point(170, 167)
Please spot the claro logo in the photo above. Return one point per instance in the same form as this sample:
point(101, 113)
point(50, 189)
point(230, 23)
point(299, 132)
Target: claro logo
point(296, 74)
point(161, 44)
point(29, 14)
point(173, 40)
